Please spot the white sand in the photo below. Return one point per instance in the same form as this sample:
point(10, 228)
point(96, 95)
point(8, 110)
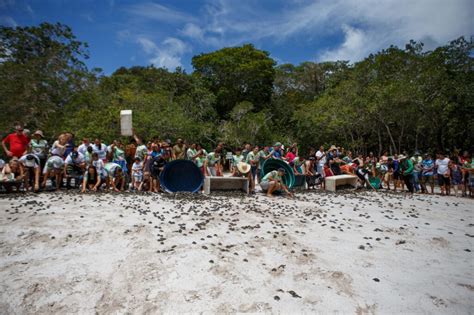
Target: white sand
point(111, 259)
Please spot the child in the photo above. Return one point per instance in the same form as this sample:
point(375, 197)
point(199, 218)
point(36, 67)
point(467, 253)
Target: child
point(99, 166)
point(91, 179)
point(137, 174)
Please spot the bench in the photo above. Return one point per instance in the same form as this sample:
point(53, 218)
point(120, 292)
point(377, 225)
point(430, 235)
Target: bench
point(225, 183)
point(333, 181)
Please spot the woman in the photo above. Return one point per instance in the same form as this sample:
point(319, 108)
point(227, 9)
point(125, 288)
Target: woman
point(117, 155)
point(13, 173)
point(39, 147)
point(59, 146)
point(91, 179)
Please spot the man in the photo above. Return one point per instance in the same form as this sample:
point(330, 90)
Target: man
point(74, 167)
point(277, 152)
point(406, 171)
point(39, 147)
point(427, 173)
point(17, 142)
point(31, 165)
point(101, 149)
point(214, 163)
point(179, 150)
point(192, 153)
point(273, 181)
point(157, 165)
point(253, 159)
point(53, 168)
point(83, 147)
point(442, 171)
point(247, 149)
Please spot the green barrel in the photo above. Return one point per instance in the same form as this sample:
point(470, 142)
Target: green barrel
point(273, 165)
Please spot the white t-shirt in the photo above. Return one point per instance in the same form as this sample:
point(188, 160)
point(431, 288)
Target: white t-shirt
point(100, 150)
point(56, 150)
point(442, 166)
point(34, 162)
point(322, 161)
point(99, 166)
point(137, 169)
point(78, 160)
point(83, 148)
point(54, 162)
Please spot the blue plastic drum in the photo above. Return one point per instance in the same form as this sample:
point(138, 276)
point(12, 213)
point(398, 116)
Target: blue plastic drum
point(181, 175)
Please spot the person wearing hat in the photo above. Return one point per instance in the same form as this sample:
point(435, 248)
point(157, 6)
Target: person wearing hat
point(17, 143)
point(406, 171)
point(53, 168)
point(39, 147)
point(277, 151)
point(273, 181)
point(31, 165)
point(74, 166)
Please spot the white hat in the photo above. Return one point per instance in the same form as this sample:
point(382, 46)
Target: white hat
point(243, 167)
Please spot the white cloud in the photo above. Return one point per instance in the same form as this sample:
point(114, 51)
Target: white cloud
point(356, 46)
point(155, 11)
point(167, 55)
point(193, 31)
point(8, 21)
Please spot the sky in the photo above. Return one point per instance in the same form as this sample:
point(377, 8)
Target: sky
point(169, 33)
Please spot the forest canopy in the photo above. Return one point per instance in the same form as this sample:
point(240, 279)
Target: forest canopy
point(396, 99)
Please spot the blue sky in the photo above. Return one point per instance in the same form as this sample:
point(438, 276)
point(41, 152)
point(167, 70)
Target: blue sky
point(168, 33)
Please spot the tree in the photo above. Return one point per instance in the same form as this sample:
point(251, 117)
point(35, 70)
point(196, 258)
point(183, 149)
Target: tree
point(235, 75)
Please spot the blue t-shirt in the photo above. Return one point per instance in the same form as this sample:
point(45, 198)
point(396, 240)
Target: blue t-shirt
point(395, 166)
point(276, 154)
point(427, 164)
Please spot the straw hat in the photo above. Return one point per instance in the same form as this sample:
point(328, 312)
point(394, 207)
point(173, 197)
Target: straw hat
point(243, 167)
point(333, 147)
point(401, 157)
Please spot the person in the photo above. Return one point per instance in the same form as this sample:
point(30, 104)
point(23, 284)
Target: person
point(91, 179)
point(442, 171)
point(273, 181)
point(464, 164)
point(236, 159)
point(12, 173)
point(191, 153)
point(214, 167)
point(99, 166)
point(247, 149)
point(179, 150)
point(141, 150)
point(456, 177)
point(31, 165)
point(263, 155)
point(253, 159)
point(427, 173)
point(84, 146)
point(101, 149)
point(417, 168)
point(277, 151)
point(59, 146)
point(117, 155)
point(74, 167)
point(362, 173)
point(406, 171)
point(115, 177)
point(312, 178)
point(53, 168)
point(70, 146)
point(396, 175)
point(157, 165)
point(17, 143)
point(320, 162)
point(291, 154)
point(200, 159)
point(39, 147)
point(137, 174)
point(298, 164)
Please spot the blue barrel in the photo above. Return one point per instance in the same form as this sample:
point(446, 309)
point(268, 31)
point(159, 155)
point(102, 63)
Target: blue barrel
point(273, 165)
point(181, 175)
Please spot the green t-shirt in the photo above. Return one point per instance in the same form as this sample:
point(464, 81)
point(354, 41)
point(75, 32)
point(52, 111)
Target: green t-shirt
point(200, 161)
point(261, 156)
point(253, 157)
point(273, 174)
point(190, 153)
point(119, 154)
point(141, 152)
point(212, 159)
point(39, 147)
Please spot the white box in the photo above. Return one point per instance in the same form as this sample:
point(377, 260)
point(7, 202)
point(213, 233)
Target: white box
point(126, 123)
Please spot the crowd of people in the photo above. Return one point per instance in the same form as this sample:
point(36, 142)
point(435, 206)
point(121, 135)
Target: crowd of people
point(94, 166)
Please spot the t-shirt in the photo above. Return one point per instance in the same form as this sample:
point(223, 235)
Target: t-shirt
point(276, 154)
point(274, 174)
point(261, 155)
point(58, 149)
point(39, 147)
point(30, 160)
point(252, 157)
point(212, 159)
point(141, 152)
point(236, 159)
point(137, 169)
point(110, 168)
point(442, 166)
point(80, 159)
point(190, 153)
point(119, 154)
point(101, 150)
point(200, 160)
point(100, 167)
point(83, 148)
point(322, 159)
point(427, 165)
point(54, 162)
point(290, 156)
point(17, 143)
point(179, 152)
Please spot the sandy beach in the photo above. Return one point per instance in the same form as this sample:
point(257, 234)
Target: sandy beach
point(348, 253)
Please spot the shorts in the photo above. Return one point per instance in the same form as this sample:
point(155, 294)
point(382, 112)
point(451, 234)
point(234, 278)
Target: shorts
point(74, 170)
point(442, 180)
point(155, 174)
point(212, 170)
point(253, 169)
point(427, 179)
point(320, 170)
point(387, 176)
point(265, 185)
point(138, 177)
point(397, 176)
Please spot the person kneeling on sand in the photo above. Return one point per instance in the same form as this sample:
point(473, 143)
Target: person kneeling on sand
point(115, 177)
point(273, 181)
point(31, 166)
point(53, 168)
point(91, 179)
